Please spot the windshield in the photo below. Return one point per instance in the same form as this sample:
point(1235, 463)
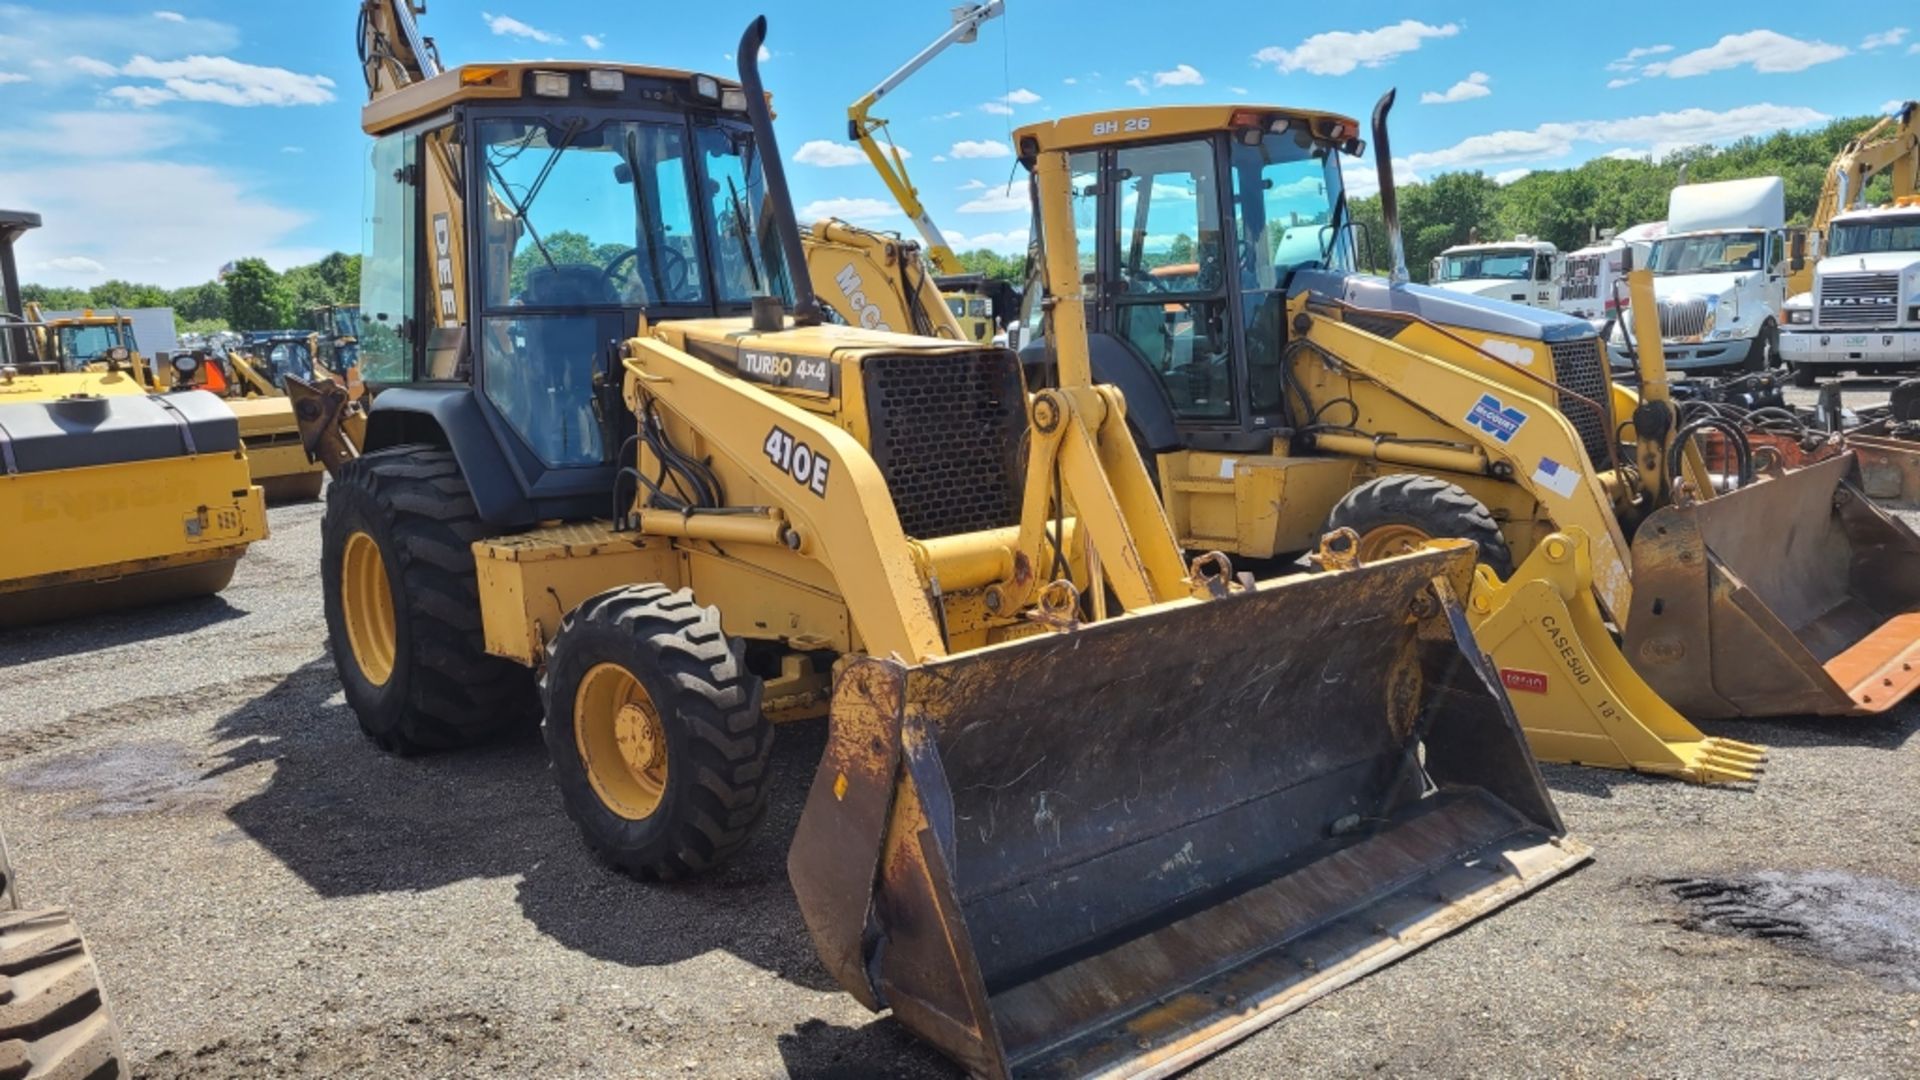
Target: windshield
point(279, 359)
point(82, 345)
point(1288, 208)
point(1515, 264)
point(346, 321)
point(1709, 253)
point(587, 215)
point(1880, 234)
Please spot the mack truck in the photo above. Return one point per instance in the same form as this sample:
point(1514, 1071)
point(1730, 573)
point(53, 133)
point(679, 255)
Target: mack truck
point(1720, 277)
point(1863, 314)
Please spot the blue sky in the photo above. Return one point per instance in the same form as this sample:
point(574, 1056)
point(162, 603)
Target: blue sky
point(163, 138)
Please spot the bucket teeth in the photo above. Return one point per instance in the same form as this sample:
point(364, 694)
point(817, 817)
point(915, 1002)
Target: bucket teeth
point(1726, 761)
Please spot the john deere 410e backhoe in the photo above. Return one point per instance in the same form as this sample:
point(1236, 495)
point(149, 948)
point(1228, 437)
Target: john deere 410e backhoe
point(1083, 809)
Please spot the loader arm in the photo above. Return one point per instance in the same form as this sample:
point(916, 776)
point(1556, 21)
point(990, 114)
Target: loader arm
point(393, 52)
point(1516, 430)
point(876, 280)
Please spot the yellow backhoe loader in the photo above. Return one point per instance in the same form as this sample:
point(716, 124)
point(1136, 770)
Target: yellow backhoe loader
point(1084, 809)
point(1283, 394)
point(877, 281)
point(111, 496)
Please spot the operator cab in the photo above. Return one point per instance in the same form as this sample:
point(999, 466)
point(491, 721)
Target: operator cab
point(1188, 244)
point(522, 218)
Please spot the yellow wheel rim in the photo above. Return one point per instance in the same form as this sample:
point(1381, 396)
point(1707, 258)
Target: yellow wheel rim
point(1386, 541)
point(367, 601)
point(621, 741)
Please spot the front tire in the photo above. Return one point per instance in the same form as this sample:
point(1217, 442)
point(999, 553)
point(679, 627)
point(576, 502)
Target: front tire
point(403, 606)
point(1764, 353)
point(54, 1019)
point(1396, 514)
point(655, 732)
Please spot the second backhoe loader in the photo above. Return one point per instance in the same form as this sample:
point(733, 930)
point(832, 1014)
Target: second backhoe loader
point(1084, 809)
point(1283, 393)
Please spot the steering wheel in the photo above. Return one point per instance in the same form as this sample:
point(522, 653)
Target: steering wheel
point(675, 272)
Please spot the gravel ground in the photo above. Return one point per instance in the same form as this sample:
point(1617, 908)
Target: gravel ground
point(270, 896)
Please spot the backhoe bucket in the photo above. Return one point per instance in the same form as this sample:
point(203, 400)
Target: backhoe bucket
point(1793, 596)
point(1115, 849)
point(1578, 699)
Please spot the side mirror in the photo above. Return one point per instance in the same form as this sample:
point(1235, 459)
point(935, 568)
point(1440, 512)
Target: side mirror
point(622, 173)
point(1797, 249)
point(1013, 337)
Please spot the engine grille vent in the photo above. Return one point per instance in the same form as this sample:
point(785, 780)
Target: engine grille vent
point(947, 432)
point(1580, 366)
point(1859, 300)
point(1683, 318)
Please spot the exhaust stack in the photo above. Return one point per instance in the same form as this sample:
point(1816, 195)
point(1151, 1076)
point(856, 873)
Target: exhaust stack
point(1389, 202)
point(806, 308)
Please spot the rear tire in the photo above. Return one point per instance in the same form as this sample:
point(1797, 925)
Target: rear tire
point(399, 528)
point(654, 728)
point(1392, 512)
point(1804, 377)
point(54, 1019)
point(1764, 353)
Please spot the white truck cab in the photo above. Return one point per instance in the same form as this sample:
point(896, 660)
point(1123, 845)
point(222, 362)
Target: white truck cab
point(1720, 276)
point(1522, 271)
point(1864, 312)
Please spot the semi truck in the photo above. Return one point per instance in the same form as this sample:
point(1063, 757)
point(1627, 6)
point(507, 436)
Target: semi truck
point(1523, 271)
point(1863, 314)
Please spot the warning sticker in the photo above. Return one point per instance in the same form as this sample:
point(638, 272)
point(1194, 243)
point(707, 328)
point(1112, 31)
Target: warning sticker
point(1527, 682)
point(1557, 478)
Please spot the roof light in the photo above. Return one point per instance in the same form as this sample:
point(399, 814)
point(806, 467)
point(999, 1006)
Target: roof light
point(186, 363)
point(602, 81)
point(479, 76)
point(551, 84)
point(706, 88)
point(733, 100)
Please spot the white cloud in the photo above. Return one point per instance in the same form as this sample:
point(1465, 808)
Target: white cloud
point(1884, 39)
point(1508, 176)
point(72, 264)
point(143, 97)
point(1629, 61)
point(222, 80)
point(1627, 153)
point(939, 158)
point(1765, 51)
point(1241, 90)
point(508, 26)
point(980, 148)
point(1473, 86)
point(1665, 131)
point(977, 185)
point(1363, 178)
point(1340, 51)
point(170, 16)
point(827, 154)
point(87, 65)
point(1003, 105)
point(13, 77)
point(1914, 49)
point(849, 209)
point(1181, 75)
point(1615, 84)
point(1071, 81)
point(998, 200)
point(1010, 242)
point(39, 38)
point(210, 218)
point(593, 41)
point(101, 134)
point(1138, 83)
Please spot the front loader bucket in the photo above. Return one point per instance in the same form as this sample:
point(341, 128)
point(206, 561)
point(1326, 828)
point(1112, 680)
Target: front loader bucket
point(1116, 849)
point(1793, 596)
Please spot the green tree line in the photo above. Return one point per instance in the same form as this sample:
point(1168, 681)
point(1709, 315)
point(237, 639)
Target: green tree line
point(1568, 206)
point(251, 296)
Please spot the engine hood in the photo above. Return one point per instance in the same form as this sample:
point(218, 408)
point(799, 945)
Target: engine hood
point(1445, 307)
point(1495, 287)
point(1674, 286)
point(1885, 262)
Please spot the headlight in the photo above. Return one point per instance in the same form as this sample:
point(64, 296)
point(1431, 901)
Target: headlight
point(734, 100)
point(553, 84)
point(1800, 317)
point(118, 354)
point(706, 88)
